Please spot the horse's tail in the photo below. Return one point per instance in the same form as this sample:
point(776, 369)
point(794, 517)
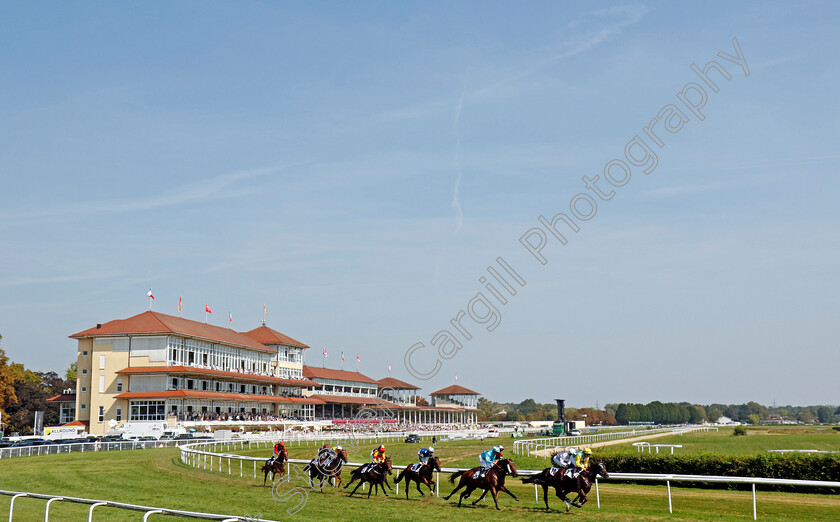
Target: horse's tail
point(400, 476)
point(531, 480)
point(456, 475)
point(264, 468)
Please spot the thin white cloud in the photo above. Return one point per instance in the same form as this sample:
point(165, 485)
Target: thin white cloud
point(208, 189)
point(36, 280)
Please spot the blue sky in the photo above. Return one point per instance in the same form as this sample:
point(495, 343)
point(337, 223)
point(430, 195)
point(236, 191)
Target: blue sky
point(358, 168)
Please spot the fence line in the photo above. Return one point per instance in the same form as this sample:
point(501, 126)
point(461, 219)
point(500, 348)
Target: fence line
point(529, 446)
point(120, 505)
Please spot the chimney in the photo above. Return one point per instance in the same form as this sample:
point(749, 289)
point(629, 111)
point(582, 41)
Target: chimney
point(98, 326)
point(561, 409)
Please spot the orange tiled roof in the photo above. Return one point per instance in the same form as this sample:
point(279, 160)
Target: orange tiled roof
point(311, 372)
point(396, 384)
point(75, 423)
point(266, 335)
point(207, 371)
point(157, 323)
point(455, 390)
point(216, 395)
point(66, 397)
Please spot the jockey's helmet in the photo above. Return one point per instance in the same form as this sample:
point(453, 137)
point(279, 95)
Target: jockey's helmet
point(587, 451)
point(497, 449)
point(338, 448)
point(281, 444)
point(381, 447)
point(431, 449)
point(501, 448)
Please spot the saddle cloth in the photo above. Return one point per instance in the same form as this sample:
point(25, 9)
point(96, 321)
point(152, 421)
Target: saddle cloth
point(572, 473)
point(415, 467)
point(367, 467)
point(553, 470)
point(480, 473)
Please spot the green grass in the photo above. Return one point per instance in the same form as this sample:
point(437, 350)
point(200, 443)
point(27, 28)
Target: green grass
point(158, 478)
point(759, 439)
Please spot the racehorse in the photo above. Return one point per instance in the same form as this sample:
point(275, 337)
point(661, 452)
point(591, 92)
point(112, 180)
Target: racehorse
point(278, 465)
point(493, 480)
point(564, 484)
point(423, 475)
point(318, 470)
point(375, 474)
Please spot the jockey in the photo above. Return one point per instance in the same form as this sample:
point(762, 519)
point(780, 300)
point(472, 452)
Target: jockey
point(489, 457)
point(563, 459)
point(425, 454)
point(378, 454)
point(279, 449)
point(580, 461)
point(328, 454)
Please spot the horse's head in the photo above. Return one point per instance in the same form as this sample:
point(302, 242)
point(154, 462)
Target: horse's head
point(341, 454)
point(388, 465)
point(508, 467)
point(434, 462)
point(599, 469)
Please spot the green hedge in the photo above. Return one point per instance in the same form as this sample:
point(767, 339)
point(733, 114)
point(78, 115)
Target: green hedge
point(795, 466)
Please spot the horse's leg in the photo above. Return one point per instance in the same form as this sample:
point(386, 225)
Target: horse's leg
point(479, 499)
point(372, 485)
point(459, 486)
point(503, 488)
point(545, 495)
point(495, 493)
point(357, 487)
point(386, 483)
point(419, 490)
point(467, 492)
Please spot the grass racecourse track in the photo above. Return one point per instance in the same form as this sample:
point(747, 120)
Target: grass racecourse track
point(158, 478)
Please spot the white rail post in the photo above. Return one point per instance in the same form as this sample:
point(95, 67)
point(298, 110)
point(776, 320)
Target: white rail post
point(670, 507)
point(255, 469)
point(90, 513)
point(755, 515)
point(152, 512)
point(47, 510)
point(437, 484)
point(12, 504)
point(536, 495)
point(597, 493)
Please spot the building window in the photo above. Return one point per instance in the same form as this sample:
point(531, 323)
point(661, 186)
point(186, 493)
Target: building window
point(101, 413)
point(84, 353)
point(84, 389)
point(83, 406)
point(119, 385)
point(119, 413)
point(101, 384)
point(84, 372)
point(147, 411)
point(101, 362)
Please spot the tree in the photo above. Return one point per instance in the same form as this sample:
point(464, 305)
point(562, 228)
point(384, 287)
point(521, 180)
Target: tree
point(826, 415)
point(622, 414)
point(715, 414)
point(70, 374)
point(806, 416)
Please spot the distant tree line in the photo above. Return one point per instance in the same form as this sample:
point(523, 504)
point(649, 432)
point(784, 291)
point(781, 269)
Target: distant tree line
point(751, 412)
point(655, 412)
point(23, 392)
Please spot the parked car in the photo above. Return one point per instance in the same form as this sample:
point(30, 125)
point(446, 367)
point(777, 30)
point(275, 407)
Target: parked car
point(412, 437)
point(574, 433)
point(493, 433)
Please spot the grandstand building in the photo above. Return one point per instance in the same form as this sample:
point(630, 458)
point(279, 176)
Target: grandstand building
point(158, 368)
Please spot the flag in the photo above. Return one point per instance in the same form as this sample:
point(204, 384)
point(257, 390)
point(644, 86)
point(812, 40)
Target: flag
point(150, 294)
point(325, 353)
point(389, 368)
point(265, 311)
point(180, 302)
point(207, 309)
point(456, 376)
point(358, 361)
point(342, 356)
point(230, 317)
